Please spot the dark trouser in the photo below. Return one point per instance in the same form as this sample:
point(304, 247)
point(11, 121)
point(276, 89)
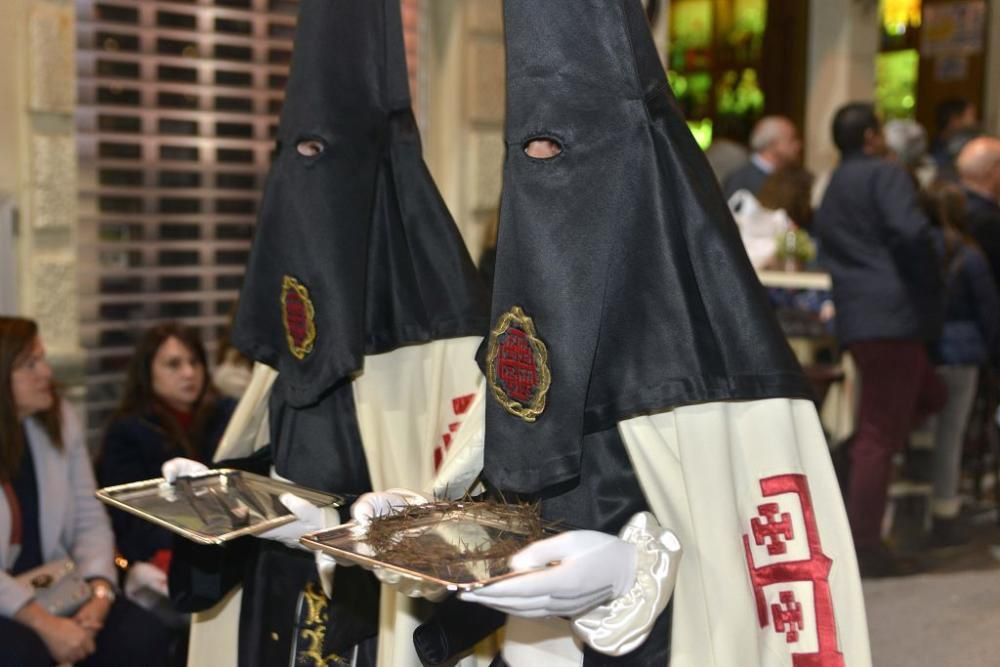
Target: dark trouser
point(899, 388)
point(131, 636)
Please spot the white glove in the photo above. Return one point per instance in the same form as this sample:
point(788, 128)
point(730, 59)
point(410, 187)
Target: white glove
point(588, 568)
point(308, 519)
point(380, 503)
point(364, 508)
point(145, 583)
point(181, 467)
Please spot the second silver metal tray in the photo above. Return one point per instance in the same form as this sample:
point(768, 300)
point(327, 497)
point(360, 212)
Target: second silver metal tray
point(212, 507)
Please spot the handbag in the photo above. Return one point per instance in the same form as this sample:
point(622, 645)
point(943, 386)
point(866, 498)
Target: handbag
point(59, 587)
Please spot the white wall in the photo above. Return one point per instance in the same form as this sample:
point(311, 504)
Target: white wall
point(843, 43)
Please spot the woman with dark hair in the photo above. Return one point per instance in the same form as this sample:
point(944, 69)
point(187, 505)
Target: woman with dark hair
point(48, 515)
point(968, 342)
point(169, 408)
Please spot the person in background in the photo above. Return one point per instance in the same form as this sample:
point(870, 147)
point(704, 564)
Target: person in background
point(775, 144)
point(726, 156)
point(907, 142)
point(968, 342)
point(789, 189)
point(979, 172)
point(169, 408)
point(232, 370)
point(879, 248)
point(48, 512)
point(957, 123)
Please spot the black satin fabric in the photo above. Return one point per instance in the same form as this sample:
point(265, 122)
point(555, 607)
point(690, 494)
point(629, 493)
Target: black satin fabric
point(319, 446)
point(361, 225)
point(453, 628)
point(603, 496)
point(277, 576)
point(273, 578)
point(621, 248)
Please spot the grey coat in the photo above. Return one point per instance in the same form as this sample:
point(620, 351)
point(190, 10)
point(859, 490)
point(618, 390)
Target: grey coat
point(73, 523)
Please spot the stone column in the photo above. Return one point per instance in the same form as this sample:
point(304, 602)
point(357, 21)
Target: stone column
point(464, 64)
point(38, 172)
point(12, 121)
point(991, 106)
point(843, 43)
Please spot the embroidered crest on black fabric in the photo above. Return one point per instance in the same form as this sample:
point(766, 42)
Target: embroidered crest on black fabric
point(518, 366)
point(299, 317)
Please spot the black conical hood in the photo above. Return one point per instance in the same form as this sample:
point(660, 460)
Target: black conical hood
point(355, 252)
point(622, 287)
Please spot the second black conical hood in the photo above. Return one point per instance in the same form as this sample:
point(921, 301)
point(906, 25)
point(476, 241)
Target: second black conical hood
point(355, 252)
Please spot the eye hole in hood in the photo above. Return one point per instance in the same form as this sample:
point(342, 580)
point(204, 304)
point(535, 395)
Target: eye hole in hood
point(311, 147)
point(542, 148)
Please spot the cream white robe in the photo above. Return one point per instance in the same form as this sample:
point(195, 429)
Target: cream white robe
point(768, 577)
point(409, 403)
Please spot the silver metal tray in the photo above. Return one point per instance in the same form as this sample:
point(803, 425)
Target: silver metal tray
point(212, 507)
point(460, 530)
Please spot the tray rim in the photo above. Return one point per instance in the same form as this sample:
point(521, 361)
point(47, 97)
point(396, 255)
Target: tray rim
point(105, 495)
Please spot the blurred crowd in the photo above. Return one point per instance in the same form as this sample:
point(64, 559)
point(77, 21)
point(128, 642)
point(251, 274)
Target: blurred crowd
point(909, 231)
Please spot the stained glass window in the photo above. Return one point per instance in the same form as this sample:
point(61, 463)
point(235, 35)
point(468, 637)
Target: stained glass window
point(714, 58)
point(898, 62)
point(896, 83)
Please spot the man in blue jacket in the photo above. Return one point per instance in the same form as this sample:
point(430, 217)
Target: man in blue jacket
point(877, 244)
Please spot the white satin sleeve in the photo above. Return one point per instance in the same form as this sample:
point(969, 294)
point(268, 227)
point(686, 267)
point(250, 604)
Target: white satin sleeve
point(624, 623)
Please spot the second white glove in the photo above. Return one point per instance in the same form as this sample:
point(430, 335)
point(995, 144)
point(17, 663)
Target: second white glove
point(587, 568)
point(308, 519)
point(181, 467)
point(380, 503)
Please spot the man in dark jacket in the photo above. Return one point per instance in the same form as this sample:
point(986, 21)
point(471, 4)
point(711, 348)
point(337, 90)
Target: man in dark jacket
point(877, 244)
point(775, 144)
point(979, 170)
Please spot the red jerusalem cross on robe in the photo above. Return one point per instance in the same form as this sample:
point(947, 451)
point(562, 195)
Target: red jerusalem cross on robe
point(790, 569)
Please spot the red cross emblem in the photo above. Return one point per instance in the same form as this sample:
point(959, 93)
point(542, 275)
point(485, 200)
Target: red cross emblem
point(788, 616)
point(517, 366)
point(773, 527)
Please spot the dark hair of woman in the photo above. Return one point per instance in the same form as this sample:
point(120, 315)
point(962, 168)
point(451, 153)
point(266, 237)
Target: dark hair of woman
point(790, 189)
point(140, 399)
point(944, 204)
point(17, 338)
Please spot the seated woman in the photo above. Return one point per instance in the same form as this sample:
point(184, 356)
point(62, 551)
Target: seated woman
point(169, 408)
point(48, 513)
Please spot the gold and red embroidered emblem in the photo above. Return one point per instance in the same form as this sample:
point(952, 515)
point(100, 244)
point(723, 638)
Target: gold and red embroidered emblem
point(517, 365)
point(299, 317)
